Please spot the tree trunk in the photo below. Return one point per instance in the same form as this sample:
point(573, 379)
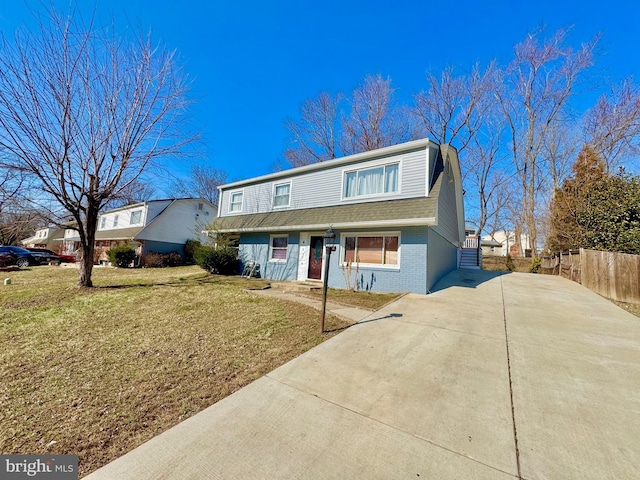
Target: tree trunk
point(88, 241)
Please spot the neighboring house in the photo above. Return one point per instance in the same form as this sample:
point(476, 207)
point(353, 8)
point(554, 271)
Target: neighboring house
point(48, 237)
point(397, 213)
point(160, 226)
point(491, 248)
point(502, 242)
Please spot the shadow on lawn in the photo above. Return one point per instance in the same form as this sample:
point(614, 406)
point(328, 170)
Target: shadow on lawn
point(247, 284)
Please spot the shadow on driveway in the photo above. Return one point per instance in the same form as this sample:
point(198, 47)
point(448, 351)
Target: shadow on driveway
point(466, 279)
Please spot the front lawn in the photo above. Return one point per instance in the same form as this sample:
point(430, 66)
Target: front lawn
point(366, 300)
point(98, 372)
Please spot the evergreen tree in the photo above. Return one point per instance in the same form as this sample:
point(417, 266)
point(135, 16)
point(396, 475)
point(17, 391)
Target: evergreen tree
point(610, 216)
point(569, 201)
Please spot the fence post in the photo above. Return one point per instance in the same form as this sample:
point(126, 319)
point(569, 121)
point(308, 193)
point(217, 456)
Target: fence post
point(559, 264)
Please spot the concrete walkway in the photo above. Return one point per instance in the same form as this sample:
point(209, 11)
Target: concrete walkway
point(490, 377)
point(352, 314)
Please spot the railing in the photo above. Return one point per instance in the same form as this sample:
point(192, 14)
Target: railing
point(472, 242)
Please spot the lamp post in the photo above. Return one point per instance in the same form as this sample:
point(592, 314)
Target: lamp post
point(329, 239)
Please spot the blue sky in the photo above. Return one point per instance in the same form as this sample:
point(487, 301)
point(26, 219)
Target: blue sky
point(254, 62)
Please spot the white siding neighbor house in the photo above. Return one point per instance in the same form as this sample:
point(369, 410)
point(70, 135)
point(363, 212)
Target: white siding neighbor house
point(397, 213)
point(160, 226)
point(47, 237)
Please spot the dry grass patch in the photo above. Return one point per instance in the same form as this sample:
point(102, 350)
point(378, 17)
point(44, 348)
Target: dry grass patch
point(366, 300)
point(98, 372)
point(632, 308)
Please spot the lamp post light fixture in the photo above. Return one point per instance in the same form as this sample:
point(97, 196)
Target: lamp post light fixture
point(329, 240)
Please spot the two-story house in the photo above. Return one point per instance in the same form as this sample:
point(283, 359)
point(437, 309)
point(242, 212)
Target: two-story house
point(160, 226)
point(398, 214)
point(47, 237)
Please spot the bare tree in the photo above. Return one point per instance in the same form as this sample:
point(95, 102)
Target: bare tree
point(489, 176)
point(536, 88)
point(203, 181)
point(136, 192)
point(375, 121)
point(85, 113)
point(10, 183)
point(559, 148)
point(453, 108)
point(613, 124)
point(315, 135)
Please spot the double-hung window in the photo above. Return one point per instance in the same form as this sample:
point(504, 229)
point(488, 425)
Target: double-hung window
point(371, 181)
point(372, 249)
point(136, 216)
point(103, 223)
point(281, 195)
point(235, 203)
point(278, 248)
point(115, 220)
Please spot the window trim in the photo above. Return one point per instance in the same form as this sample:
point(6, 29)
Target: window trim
point(383, 266)
point(231, 203)
point(371, 167)
point(271, 248)
point(273, 195)
point(116, 217)
point(103, 222)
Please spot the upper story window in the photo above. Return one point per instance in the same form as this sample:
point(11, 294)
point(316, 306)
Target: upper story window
point(235, 203)
point(136, 217)
point(371, 181)
point(281, 195)
point(103, 223)
point(115, 220)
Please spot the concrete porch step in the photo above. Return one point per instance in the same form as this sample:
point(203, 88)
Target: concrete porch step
point(307, 286)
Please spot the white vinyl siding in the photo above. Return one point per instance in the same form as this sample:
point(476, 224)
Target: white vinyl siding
point(325, 187)
point(281, 195)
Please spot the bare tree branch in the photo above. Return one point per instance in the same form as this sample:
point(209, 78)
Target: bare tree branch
point(85, 113)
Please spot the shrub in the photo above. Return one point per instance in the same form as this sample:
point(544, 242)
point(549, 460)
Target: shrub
point(172, 259)
point(122, 255)
point(536, 265)
point(158, 260)
point(190, 251)
point(221, 260)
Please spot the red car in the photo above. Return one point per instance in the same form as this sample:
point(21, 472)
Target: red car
point(66, 258)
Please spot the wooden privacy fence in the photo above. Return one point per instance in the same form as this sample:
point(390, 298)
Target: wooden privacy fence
point(610, 274)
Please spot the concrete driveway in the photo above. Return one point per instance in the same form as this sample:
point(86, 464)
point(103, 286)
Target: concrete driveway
point(489, 377)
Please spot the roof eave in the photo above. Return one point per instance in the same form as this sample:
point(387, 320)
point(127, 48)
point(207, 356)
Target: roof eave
point(427, 221)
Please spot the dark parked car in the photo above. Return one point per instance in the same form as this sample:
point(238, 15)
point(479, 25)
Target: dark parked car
point(23, 257)
point(61, 257)
point(6, 259)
